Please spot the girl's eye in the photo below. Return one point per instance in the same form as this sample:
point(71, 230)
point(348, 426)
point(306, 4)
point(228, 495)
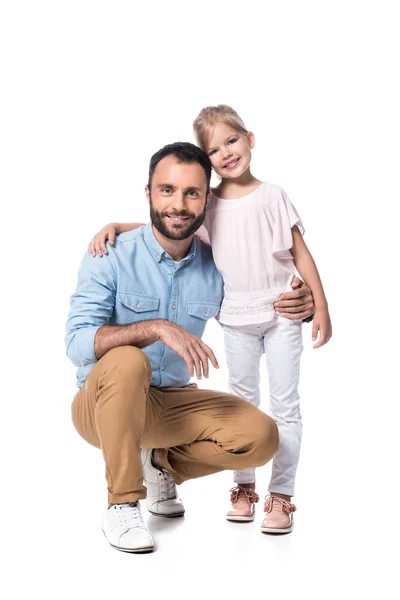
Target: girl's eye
point(212, 152)
point(233, 141)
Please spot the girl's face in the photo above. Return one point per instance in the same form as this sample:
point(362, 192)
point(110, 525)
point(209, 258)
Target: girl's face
point(229, 151)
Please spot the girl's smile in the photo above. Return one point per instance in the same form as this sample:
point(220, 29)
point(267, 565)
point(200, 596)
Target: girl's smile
point(229, 151)
point(232, 164)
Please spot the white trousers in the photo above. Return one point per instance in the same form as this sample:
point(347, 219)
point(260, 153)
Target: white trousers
point(282, 341)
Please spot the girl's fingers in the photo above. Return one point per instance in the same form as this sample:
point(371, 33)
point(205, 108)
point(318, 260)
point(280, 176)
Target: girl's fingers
point(315, 331)
point(323, 339)
point(104, 247)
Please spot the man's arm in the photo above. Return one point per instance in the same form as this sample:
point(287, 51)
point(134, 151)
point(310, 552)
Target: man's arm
point(136, 334)
point(298, 304)
point(89, 334)
point(194, 352)
point(92, 306)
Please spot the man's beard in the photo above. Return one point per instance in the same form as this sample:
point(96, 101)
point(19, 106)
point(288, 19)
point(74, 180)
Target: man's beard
point(159, 221)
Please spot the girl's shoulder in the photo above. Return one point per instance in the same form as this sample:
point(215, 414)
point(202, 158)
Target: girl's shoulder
point(268, 193)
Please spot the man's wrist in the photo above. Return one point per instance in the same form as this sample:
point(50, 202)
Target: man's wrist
point(158, 327)
point(308, 319)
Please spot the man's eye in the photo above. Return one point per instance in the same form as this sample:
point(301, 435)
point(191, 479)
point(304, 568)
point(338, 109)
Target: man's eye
point(166, 190)
point(193, 194)
point(233, 141)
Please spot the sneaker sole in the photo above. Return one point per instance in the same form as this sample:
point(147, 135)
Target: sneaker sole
point(173, 515)
point(277, 529)
point(136, 551)
point(133, 551)
point(239, 518)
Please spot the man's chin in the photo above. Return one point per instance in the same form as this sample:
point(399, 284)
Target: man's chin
point(177, 233)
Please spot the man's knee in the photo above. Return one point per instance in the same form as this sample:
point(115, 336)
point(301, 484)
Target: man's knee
point(265, 439)
point(127, 364)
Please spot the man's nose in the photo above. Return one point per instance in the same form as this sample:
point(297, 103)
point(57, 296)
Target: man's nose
point(179, 200)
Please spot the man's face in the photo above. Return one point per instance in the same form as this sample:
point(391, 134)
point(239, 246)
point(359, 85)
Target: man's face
point(178, 198)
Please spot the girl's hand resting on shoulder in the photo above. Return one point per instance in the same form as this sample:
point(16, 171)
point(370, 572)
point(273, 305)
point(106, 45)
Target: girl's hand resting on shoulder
point(98, 243)
point(321, 327)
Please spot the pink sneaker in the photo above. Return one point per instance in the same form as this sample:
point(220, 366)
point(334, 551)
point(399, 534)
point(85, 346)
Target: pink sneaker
point(279, 517)
point(243, 500)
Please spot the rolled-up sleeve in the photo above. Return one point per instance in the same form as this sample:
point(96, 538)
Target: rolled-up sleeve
point(92, 306)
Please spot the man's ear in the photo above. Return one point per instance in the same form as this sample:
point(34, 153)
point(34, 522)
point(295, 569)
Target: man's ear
point(251, 139)
point(208, 199)
point(147, 190)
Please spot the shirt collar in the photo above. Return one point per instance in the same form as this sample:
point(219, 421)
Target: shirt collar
point(158, 251)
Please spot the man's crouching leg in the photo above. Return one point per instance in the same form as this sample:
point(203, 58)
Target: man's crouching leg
point(109, 412)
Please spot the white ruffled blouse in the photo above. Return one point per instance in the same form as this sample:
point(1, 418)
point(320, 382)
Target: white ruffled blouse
point(251, 239)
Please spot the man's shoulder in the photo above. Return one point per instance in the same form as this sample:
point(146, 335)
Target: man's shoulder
point(205, 251)
point(129, 237)
point(126, 243)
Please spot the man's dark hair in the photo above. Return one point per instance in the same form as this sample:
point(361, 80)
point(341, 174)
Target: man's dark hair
point(184, 152)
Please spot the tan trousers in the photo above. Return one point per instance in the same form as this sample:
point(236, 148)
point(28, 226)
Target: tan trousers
point(199, 431)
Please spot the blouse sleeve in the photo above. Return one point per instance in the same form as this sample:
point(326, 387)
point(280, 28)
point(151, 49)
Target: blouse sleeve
point(285, 217)
point(202, 233)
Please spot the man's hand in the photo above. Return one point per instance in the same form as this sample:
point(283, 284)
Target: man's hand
point(194, 352)
point(298, 304)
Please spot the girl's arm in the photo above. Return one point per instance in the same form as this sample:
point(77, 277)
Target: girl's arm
point(305, 265)
point(98, 243)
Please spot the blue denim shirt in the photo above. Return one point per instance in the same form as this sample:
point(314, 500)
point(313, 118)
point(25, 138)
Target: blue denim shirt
point(139, 281)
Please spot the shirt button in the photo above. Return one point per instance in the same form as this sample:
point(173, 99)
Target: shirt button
point(173, 307)
point(206, 314)
point(158, 257)
point(138, 306)
point(162, 368)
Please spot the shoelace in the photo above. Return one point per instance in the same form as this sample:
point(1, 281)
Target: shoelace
point(167, 484)
point(284, 505)
point(238, 491)
point(129, 515)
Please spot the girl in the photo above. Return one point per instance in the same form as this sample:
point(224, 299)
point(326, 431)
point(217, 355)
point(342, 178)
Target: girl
point(256, 237)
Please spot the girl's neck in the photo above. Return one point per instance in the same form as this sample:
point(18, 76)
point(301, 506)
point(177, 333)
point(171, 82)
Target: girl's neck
point(238, 187)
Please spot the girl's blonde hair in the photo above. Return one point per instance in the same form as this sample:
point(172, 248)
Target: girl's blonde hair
point(210, 116)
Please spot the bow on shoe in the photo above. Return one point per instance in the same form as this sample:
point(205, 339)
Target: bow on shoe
point(249, 493)
point(286, 507)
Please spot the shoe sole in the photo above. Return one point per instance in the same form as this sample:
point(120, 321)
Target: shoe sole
point(173, 515)
point(277, 529)
point(136, 551)
point(131, 550)
point(240, 519)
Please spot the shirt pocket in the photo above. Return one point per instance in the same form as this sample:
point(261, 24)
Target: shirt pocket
point(202, 311)
point(134, 307)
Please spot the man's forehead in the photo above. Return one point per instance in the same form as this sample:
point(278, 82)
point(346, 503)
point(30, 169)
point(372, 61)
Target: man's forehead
point(171, 170)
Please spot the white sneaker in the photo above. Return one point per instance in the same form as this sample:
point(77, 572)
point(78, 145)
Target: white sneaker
point(162, 498)
point(125, 530)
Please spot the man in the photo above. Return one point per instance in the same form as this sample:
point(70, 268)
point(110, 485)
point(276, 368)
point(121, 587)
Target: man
point(155, 290)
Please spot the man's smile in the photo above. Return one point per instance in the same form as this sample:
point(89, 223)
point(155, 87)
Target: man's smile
point(178, 219)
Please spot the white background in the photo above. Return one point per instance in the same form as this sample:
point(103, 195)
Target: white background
point(90, 90)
